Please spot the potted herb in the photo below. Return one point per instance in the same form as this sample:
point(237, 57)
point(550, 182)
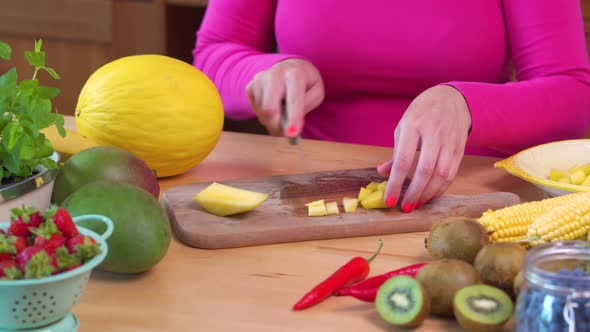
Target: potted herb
point(28, 162)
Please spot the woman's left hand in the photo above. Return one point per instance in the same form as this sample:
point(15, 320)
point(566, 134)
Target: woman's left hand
point(434, 128)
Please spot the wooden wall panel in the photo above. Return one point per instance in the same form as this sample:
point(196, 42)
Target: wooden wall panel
point(81, 20)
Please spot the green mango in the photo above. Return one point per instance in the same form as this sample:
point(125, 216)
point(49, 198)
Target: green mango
point(142, 231)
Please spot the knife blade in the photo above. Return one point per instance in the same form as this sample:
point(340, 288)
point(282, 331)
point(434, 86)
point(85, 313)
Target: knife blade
point(293, 141)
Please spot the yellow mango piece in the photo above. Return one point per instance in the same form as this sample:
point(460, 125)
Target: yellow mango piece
point(381, 186)
point(574, 169)
point(317, 210)
point(316, 203)
point(374, 201)
point(565, 179)
point(69, 145)
point(586, 181)
point(223, 200)
point(350, 204)
point(586, 168)
point(372, 186)
point(332, 208)
point(555, 174)
point(364, 192)
point(578, 176)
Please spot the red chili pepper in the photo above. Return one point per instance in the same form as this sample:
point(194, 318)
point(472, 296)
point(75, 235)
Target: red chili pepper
point(355, 270)
point(367, 290)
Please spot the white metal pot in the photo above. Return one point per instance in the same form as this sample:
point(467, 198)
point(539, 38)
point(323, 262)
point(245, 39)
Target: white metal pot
point(35, 190)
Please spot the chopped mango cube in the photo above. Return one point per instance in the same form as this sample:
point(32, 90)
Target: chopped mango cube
point(374, 201)
point(555, 174)
point(381, 186)
point(578, 176)
point(350, 204)
point(317, 210)
point(373, 185)
point(316, 203)
point(364, 192)
point(332, 208)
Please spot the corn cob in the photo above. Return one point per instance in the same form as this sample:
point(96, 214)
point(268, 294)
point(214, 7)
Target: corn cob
point(570, 221)
point(512, 223)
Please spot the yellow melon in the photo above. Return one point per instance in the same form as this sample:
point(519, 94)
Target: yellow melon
point(162, 109)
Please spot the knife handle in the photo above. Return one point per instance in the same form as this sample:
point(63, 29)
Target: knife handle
point(285, 122)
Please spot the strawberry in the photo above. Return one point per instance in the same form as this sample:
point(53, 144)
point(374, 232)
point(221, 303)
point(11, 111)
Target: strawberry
point(7, 247)
point(2, 232)
point(36, 263)
point(84, 246)
point(23, 219)
point(50, 244)
point(65, 260)
point(9, 270)
point(63, 220)
point(20, 242)
point(48, 237)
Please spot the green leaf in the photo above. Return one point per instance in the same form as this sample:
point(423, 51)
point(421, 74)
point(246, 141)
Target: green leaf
point(48, 92)
point(59, 124)
point(8, 84)
point(38, 44)
point(11, 134)
point(35, 59)
point(49, 163)
point(29, 127)
point(28, 87)
point(52, 72)
point(44, 147)
point(42, 113)
point(27, 148)
point(5, 51)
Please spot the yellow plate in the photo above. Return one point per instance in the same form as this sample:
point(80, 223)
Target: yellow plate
point(533, 164)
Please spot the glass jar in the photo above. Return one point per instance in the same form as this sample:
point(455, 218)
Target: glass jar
point(555, 295)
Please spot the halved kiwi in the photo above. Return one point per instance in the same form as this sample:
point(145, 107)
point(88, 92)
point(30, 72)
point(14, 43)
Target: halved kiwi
point(482, 307)
point(402, 301)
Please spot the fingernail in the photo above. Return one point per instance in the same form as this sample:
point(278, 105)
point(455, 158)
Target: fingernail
point(291, 130)
point(390, 201)
point(381, 164)
point(408, 207)
point(419, 204)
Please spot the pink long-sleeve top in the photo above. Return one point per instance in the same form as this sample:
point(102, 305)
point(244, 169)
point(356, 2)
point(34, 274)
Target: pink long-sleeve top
point(521, 65)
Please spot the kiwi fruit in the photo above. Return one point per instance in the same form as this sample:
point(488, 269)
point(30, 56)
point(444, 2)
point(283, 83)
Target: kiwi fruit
point(499, 263)
point(442, 279)
point(482, 307)
point(456, 237)
point(402, 301)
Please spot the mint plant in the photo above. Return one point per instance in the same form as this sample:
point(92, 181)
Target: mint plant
point(26, 109)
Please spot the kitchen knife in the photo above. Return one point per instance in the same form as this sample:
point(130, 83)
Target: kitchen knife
point(294, 141)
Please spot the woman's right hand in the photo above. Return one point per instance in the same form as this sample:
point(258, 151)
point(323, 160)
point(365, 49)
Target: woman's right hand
point(295, 81)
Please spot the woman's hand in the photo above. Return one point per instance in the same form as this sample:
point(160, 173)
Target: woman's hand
point(295, 81)
point(436, 123)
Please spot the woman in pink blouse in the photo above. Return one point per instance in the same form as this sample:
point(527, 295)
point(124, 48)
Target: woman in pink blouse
point(436, 79)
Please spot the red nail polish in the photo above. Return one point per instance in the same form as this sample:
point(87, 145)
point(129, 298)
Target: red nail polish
point(419, 204)
point(408, 207)
point(291, 130)
point(390, 201)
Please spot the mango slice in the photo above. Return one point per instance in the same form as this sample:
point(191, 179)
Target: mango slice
point(381, 186)
point(374, 201)
point(223, 200)
point(350, 204)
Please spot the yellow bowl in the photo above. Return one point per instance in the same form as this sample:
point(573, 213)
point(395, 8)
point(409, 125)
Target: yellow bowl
point(533, 164)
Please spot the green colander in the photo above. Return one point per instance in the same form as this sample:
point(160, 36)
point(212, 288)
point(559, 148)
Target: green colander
point(33, 303)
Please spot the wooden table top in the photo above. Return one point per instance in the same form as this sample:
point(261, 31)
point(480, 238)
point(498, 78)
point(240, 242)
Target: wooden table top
point(254, 288)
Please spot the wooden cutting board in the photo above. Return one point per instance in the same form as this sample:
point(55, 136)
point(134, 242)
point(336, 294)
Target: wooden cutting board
point(283, 217)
